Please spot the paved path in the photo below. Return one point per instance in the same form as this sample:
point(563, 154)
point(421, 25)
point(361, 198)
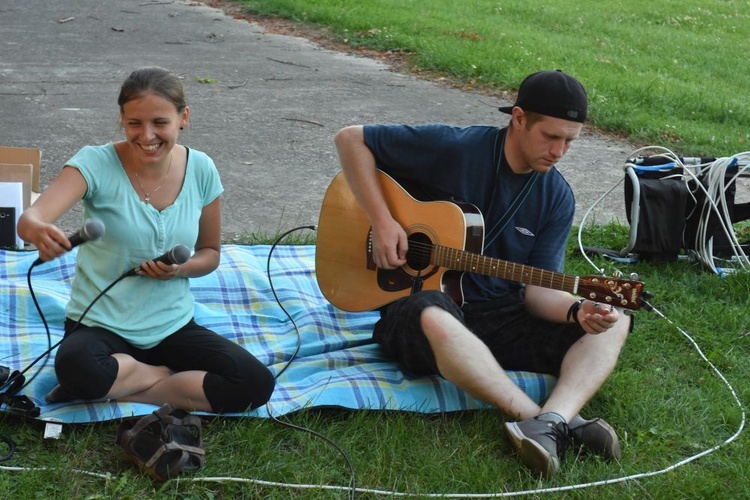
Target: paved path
point(264, 106)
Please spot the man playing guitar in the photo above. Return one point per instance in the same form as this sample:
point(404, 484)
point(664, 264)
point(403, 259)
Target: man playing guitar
point(509, 174)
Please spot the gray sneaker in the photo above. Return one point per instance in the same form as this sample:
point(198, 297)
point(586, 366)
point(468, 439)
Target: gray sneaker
point(596, 435)
point(540, 443)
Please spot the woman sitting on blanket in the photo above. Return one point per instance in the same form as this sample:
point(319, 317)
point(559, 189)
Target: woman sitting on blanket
point(139, 342)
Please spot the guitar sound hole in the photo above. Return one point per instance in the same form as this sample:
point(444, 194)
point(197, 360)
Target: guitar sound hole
point(418, 256)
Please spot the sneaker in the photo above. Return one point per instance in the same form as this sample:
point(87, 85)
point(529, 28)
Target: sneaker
point(541, 443)
point(596, 435)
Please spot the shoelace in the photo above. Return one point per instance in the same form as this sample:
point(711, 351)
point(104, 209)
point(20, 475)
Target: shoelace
point(563, 437)
point(576, 434)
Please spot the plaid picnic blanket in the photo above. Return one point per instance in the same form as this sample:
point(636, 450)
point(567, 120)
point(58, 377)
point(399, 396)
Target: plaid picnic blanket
point(336, 365)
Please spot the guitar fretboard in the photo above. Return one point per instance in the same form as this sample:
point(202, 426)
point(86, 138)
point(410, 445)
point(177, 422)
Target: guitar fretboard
point(460, 260)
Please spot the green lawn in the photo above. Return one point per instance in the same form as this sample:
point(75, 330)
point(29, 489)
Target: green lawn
point(664, 73)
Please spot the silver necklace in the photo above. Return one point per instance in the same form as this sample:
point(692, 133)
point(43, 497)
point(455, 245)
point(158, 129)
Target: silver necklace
point(147, 195)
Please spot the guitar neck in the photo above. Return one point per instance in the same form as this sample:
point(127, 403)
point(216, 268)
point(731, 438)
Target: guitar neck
point(460, 260)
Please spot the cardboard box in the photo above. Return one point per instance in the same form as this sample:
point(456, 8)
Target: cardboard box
point(24, 156)
point(22, 165)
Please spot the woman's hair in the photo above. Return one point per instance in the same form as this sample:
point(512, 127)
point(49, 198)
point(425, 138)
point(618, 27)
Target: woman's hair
point(154, 80)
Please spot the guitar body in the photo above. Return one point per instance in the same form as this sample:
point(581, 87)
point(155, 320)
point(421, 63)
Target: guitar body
point(445, 240)
point(345, 271)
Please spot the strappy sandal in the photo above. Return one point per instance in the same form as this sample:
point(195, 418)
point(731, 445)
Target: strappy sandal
point(165, 443)
point(185, 429)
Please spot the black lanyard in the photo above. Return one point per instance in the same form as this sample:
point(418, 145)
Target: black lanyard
point(499, 226)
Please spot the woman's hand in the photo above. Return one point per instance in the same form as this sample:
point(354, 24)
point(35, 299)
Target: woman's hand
point(49, 240)
point(158, 270)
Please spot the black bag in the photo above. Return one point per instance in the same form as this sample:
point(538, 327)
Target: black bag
point(656, 202)
point(669, 211)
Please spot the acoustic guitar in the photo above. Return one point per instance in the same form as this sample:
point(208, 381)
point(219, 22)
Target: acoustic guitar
point(445, 241)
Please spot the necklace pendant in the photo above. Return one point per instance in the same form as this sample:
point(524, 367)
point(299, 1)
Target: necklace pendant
point(147, 199)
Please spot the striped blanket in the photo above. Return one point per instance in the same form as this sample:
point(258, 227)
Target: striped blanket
point(337, 364)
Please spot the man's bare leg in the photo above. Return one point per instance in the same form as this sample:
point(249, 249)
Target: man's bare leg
point(467, 362)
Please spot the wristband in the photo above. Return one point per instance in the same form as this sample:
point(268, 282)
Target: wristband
point(573, 311)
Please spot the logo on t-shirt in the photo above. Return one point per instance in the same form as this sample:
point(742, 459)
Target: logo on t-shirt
point(524, 231)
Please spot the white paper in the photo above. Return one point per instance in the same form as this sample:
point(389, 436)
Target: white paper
point(52, 429)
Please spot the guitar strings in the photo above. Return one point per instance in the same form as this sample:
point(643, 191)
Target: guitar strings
point(483, 265)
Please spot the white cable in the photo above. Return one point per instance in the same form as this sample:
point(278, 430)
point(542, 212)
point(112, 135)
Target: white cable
point(715, 189)
point(605, 482)
point(583, 223)
point(24, 469)
point(558, 489)
point(739, 253)
point(580, 486)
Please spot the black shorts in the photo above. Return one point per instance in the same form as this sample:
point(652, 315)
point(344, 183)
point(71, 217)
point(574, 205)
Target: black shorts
point(235, 380)
point(517, 340)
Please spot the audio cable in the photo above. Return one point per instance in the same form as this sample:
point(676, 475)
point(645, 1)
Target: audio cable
point(342, 452)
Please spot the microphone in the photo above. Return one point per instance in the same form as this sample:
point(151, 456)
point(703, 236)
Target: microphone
point(177, 255)
point(92, 229)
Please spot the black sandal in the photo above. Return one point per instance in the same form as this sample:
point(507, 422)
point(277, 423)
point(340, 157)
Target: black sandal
point(165, 443)
point(185, 429)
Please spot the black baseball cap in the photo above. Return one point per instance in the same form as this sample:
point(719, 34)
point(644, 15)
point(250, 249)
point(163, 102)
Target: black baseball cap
point(552, 93)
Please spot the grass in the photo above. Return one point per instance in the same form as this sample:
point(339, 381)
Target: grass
point(663, 73)
point(666, 73)
point(665, 401)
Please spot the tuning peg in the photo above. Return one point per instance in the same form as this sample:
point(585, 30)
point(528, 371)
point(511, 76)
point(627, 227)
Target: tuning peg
point(617, 274)
point(634, 276)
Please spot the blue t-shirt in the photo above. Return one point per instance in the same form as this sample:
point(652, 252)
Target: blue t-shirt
point(467, 164)
point(143, 311)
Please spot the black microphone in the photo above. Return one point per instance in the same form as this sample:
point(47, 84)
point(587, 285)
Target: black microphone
point(92, 229)
point(177, 255)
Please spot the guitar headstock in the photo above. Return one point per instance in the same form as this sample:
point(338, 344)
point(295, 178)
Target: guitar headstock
point(625, 293)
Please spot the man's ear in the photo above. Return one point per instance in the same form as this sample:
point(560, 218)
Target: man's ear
point(518, 117)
